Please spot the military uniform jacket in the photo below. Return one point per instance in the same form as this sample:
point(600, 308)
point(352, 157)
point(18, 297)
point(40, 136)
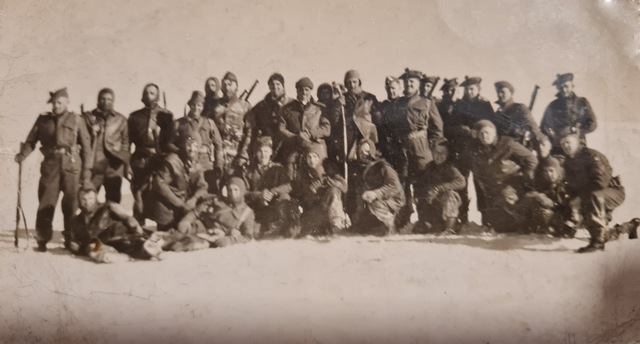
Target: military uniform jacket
point(211, 146)
point(116, 133)
point(514, 120)
point(442, 177)
point(587, 172)
point(229, 116)
point(420, 127)
point(564, 112)
point(493, 164)
point(150, 129)
point(297, 118)
point(229, 217)
point(306, 177)
point(469, 111)
point(272, 177)
point(101, 224)
point(63, 140)
point(382, 179)
point(351, 101)
point(264, 120)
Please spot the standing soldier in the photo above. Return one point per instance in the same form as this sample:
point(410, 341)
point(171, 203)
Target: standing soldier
point(514, 119)
point(567, 111)
point(229, 117)
point(149, 130)
point(428, 83)
point(264, 118)
point(595, 192)
point(211, 90)
point(59, 132)
point(210, 155)
point(355, 94)
point(473, 107)
point(418, 129)
point(110, 145)
point(303, 123)
point(390, 147)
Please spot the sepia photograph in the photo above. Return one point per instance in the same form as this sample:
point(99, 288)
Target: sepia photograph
point(281, 171)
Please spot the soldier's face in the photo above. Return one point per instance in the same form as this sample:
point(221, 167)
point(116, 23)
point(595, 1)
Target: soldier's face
point(395, 90)
point(105, 101)
point(276, 88)
point(545, 148)
point(565, 89)
point(212, 85)
point(191, 148)
point(263, 155)
point(570, 145)
point(427, 87)
point(150, 95)
point(304, 94)
point(353, 85)
point(440, 155)
point(411, 86)
point(448, 92)
point(196, 109)
point(487, 135)
point(312, 159)
point(59, 105)
point(550, 174)
point(510, 196)
point(325, 95)
point(88, 201)
point(235, 194)
point(472, 91)
point(229, 87)
point(504, 94)
point(364, 152)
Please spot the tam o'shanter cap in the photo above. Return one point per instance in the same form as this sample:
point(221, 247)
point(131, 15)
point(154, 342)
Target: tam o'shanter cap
point(562, 78)
point(59, 93)
point(504, 84)
point(470, 81)
point(411, 74)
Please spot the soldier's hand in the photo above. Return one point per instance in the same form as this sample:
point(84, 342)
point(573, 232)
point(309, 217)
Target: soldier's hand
point(305, 135)
point(19, 158)
point(190, 204)
point(369, 196)
point(267, 195)
point(316, 185)
point(235, 233)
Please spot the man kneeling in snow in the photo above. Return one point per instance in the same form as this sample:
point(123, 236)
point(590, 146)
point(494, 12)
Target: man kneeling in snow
point(108, 224)
point(379, 190)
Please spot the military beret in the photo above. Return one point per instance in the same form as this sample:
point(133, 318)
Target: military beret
point(562, 78)
point(304, 82)
point(482, 124)
point(391, 79)
point(264, 141)
point(469, 81)
point(196, 97)
point(352, 74)
point(503, 84)
point(59, 93)
point(432, 79)
point(568, 131)
point(411, 74)
point(276, 77)
point(230, 76)
point(449, 83)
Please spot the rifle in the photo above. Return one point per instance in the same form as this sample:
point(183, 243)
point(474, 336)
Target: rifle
point(245, 95)
point(433, 87)
point(164, 99)
point(526, 139)
point(344, 137)
point(19, 210)
point(533, 97)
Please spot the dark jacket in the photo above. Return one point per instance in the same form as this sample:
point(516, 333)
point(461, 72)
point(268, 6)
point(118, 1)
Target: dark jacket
point(351, 103)
point(587, 172)
point(493, 164)
point(564, 112)
point(273, 178)
point(160, 122)
point(108, 221)
point(62, 138)
point(264, 120)
point(442, 178)
point(515, 120)
point(469, 111)
point(380, 178)
point(303, 186)
point(298, 118)
point(116, 133)
point(229, 115)
point(211, 146)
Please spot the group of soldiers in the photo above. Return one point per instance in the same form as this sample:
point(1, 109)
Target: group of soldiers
point(228, 172)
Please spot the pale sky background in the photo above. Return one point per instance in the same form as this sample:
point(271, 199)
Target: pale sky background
point(87, 45)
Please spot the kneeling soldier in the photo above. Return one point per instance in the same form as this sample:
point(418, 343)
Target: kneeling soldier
point(319, 194)
point(379, 192)
point(108, 224)
point(268, 194)
point(596, 193)
point(437, 192)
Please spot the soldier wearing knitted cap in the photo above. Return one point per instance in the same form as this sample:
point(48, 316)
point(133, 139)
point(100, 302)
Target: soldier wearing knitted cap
point(150, 131)
point(110, 143)
point(355, 95)
point(212, 95)
point(178, 183)
point(417, 128)
point(594, 191)
point(514, 119)
point(210, 156)
point(498, 160)
point(264, 118)
point(568, 110)
point(303, 123)
point(319, 194)
point(268, 193)
point(229, 115)
point(68, 158)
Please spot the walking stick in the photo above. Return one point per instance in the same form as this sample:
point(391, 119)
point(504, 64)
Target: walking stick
point(344, 143)
point(19, 210)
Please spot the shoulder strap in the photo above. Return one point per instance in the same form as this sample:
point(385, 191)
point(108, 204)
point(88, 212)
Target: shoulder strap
point(243, 217)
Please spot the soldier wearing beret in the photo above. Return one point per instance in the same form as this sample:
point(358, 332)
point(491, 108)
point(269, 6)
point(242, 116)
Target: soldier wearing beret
point(390, 145)
point(66, 146)
point(211, 153)
point(514, 119)
point(595, 192)
point(418, 128)
point(229, 116)
point(567, 111)
point(268, 192)
point(110, 145)
point(264, 118)
point(427, 84)
point(498, 161)
point(150, 131)
point(303, 123)
point(178, 184)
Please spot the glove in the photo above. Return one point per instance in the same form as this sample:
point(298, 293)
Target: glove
point(19, 158)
